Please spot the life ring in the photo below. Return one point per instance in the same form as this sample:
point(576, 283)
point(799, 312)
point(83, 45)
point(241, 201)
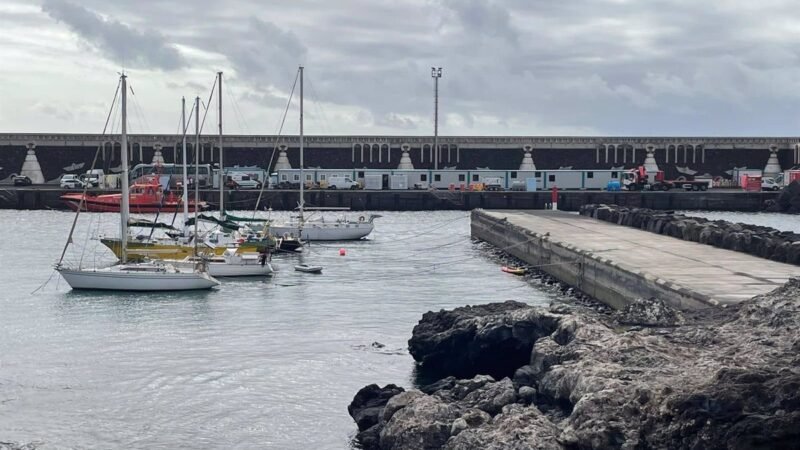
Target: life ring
point(361, 219)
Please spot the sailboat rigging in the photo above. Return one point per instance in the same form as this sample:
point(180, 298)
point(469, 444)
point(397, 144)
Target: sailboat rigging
point(320, 228)
point(126, 276)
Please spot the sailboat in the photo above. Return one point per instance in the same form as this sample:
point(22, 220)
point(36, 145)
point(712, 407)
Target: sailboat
point(148, 276)
point(226, 235)
point(320, 228)
point(231, 263)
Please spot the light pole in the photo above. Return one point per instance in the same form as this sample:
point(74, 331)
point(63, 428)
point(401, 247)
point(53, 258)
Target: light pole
point(436, 73)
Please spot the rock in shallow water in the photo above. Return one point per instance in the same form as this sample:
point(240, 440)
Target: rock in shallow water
point(722, 379)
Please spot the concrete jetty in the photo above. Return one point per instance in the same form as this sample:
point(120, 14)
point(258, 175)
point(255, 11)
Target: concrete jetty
point(617, 264)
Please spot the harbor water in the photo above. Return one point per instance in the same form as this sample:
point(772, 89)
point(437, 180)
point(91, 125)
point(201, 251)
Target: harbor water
point(257, 363)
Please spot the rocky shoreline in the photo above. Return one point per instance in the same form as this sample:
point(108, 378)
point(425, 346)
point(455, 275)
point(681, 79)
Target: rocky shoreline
point(765, 242)
point(516, 376)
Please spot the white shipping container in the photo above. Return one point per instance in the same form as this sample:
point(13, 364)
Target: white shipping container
point(373, 182)
point(398, 182)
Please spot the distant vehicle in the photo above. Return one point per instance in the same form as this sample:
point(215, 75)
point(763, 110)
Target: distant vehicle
point(492, 184)
point(92, 178)
point(22, 180)
point(638, 179)
point(769, 184)
point(242, 181)
point(337, 182)
point(69, 181)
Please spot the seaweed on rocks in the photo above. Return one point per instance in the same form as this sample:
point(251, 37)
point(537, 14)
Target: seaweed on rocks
point(721, 378)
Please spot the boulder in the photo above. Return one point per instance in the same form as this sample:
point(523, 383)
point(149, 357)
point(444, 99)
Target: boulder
point(465, 341)
point(651, 312)
point(517, 427)
point(367, 406)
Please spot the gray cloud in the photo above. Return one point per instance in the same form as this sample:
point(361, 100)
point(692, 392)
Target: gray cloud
point(121, 43)
point(510, 66)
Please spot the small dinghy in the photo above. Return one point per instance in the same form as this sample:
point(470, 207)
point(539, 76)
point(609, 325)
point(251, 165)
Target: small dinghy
point(514, 270)
point(308, 269)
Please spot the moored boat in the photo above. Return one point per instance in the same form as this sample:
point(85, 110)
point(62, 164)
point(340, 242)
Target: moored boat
point(147, 195)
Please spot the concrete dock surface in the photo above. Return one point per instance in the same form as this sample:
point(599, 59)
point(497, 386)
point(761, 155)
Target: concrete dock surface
point(618, 264)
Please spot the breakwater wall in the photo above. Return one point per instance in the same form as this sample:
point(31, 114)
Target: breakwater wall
point(411, 200)
point(764, 242)
point(619, 265)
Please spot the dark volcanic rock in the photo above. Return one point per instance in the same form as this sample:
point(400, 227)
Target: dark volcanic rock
point(719, 379)
point(367, 409)
point(755, 240)
point(651, 312)
point(466, 341)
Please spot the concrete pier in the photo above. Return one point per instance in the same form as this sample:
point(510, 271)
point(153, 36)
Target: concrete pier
point(617, 264)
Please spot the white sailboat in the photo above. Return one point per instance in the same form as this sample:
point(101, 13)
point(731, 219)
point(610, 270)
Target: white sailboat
point(320, 228)
point(231, 263)
point(148, 276)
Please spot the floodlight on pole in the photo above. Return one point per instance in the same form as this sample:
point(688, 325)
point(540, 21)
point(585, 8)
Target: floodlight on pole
point(436, 73)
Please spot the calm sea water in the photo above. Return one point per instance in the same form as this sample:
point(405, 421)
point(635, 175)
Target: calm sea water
point(253, 364)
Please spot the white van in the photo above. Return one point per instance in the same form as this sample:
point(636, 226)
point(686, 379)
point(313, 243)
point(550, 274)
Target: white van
point(69, 181)
point(242, 181)
point(341, 182)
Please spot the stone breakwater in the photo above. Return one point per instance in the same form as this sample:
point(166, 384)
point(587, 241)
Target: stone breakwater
point(765, 242)
point(523, 377)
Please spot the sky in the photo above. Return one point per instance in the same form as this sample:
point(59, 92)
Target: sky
point(510, 67)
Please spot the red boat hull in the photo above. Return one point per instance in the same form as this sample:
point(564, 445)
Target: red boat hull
point(146, 196)
point(96, 204)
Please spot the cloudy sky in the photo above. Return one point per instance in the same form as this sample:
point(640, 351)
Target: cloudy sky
point(511, 67)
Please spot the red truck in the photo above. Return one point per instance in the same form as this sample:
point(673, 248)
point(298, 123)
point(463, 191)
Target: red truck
point(638, 180)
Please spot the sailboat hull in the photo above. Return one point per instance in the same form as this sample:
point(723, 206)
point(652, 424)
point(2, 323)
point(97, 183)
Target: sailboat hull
point(140, 250)
point(331, 231)
point(225, 270)
point(115, 280)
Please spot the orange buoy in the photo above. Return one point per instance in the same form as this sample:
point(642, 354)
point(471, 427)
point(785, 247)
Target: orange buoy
point(342, 252)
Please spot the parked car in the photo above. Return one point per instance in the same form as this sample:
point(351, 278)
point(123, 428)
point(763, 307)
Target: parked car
point(22, 180)
point(71, 182)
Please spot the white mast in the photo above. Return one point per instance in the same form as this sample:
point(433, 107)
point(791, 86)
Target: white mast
point(221, 165)
point(302, 174)
point(196, 167)
point(185, 170)
point(124, 210)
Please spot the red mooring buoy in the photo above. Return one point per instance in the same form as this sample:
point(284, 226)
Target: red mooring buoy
point(342, 252)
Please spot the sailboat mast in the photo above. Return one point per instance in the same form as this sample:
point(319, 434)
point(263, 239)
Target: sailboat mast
point(221, 165)
point(185, 170)
point(196, 167)
point(302, 174)
point(124, 210)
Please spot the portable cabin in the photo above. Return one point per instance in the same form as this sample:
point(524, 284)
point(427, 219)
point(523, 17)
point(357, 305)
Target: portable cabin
point(415, 178)
point(361, 176)
point(443, 179)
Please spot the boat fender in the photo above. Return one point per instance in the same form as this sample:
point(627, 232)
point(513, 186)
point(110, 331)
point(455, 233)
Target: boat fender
point(361, 219)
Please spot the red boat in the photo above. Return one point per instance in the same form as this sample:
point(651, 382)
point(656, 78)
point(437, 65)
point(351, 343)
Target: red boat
point(146, 196)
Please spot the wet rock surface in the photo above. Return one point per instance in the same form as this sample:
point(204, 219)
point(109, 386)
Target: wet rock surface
point(755, 240)
point(788, 201)
point(712, 379)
